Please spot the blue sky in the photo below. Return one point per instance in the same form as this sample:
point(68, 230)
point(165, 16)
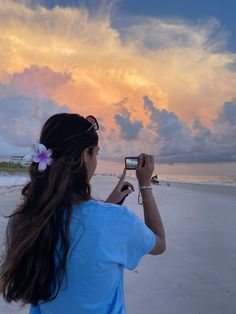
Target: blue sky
point(192, 10)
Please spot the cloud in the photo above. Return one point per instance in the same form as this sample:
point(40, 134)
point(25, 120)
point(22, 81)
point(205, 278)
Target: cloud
point(168, 126)
point(225, 130)
point(189, 61)
point(94, 7)
point(21, 120)
point(165, 33)
point(228, 113)
point(178, 142)
point(201, 136)
point(165, 136)
point(128, 129)
point(182, 65)
point(100, 7)
point(173, 136)
point(76, 57)
point(37, 81)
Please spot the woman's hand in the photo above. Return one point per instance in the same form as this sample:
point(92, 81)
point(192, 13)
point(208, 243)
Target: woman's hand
point(144, 173)
point(117, 195)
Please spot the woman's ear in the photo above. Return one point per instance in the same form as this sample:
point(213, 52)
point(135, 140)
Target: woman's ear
point(84, 155)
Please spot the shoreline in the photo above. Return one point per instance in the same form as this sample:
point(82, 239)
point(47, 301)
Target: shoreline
point(202, 187)
point(19, 180)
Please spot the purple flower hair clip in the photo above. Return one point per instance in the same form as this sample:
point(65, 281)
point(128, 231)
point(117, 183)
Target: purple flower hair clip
point(40, 154)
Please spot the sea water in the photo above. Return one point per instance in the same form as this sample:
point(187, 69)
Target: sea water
point(116, 168)
point(105, 167)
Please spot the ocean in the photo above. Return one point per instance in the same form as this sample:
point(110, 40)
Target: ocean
point(116, 168)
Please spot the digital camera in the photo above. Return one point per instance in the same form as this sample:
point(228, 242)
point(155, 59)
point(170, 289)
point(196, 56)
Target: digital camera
point(132, 162)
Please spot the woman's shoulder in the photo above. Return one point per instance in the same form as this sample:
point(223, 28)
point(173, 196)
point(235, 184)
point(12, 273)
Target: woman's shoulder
point(106, 208)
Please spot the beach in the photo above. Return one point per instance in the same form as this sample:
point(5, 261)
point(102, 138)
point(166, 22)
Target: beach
point(196, 274)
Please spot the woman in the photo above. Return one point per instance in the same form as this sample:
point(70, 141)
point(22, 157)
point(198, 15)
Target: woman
point(65, 251)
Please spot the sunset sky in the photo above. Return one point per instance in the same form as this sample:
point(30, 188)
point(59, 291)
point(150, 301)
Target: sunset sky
point(160, 76)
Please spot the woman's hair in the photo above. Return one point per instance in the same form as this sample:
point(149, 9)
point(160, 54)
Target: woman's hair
point(29, 271)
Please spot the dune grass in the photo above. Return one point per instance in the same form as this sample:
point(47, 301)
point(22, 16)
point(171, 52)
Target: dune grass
point(12, 168)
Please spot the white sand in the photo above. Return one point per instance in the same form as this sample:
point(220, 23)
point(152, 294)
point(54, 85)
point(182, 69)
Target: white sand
point(197, 273)
point(13, 180)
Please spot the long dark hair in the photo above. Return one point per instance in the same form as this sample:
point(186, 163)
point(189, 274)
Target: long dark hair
point(28, 272)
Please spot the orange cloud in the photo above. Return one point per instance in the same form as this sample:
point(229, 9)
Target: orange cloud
point(172, 62)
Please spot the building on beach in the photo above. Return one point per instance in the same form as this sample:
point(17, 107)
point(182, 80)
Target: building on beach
point(16, 159)
point(19, 160)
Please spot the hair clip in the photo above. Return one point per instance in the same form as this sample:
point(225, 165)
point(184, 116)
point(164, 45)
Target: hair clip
point(41, 155)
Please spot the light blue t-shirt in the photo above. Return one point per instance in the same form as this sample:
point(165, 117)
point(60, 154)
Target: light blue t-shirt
point(105, 238)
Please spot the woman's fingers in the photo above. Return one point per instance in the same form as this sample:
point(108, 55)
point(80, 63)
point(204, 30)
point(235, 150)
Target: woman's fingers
point(126, 192)
point(122, 177)
point(123, 174)
point(142, 157)
point(148, 160)
point(129, 184)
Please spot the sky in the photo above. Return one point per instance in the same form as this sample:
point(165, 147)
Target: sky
point(159, 76)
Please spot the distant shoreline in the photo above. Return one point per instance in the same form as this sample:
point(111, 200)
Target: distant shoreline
point(12, 168)
point(19, 179)
point(202, 187)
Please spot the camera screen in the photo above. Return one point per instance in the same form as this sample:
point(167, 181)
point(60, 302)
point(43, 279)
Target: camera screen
point(131, 163)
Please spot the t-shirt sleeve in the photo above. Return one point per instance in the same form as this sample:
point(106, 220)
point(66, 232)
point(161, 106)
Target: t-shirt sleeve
point(141, 239)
